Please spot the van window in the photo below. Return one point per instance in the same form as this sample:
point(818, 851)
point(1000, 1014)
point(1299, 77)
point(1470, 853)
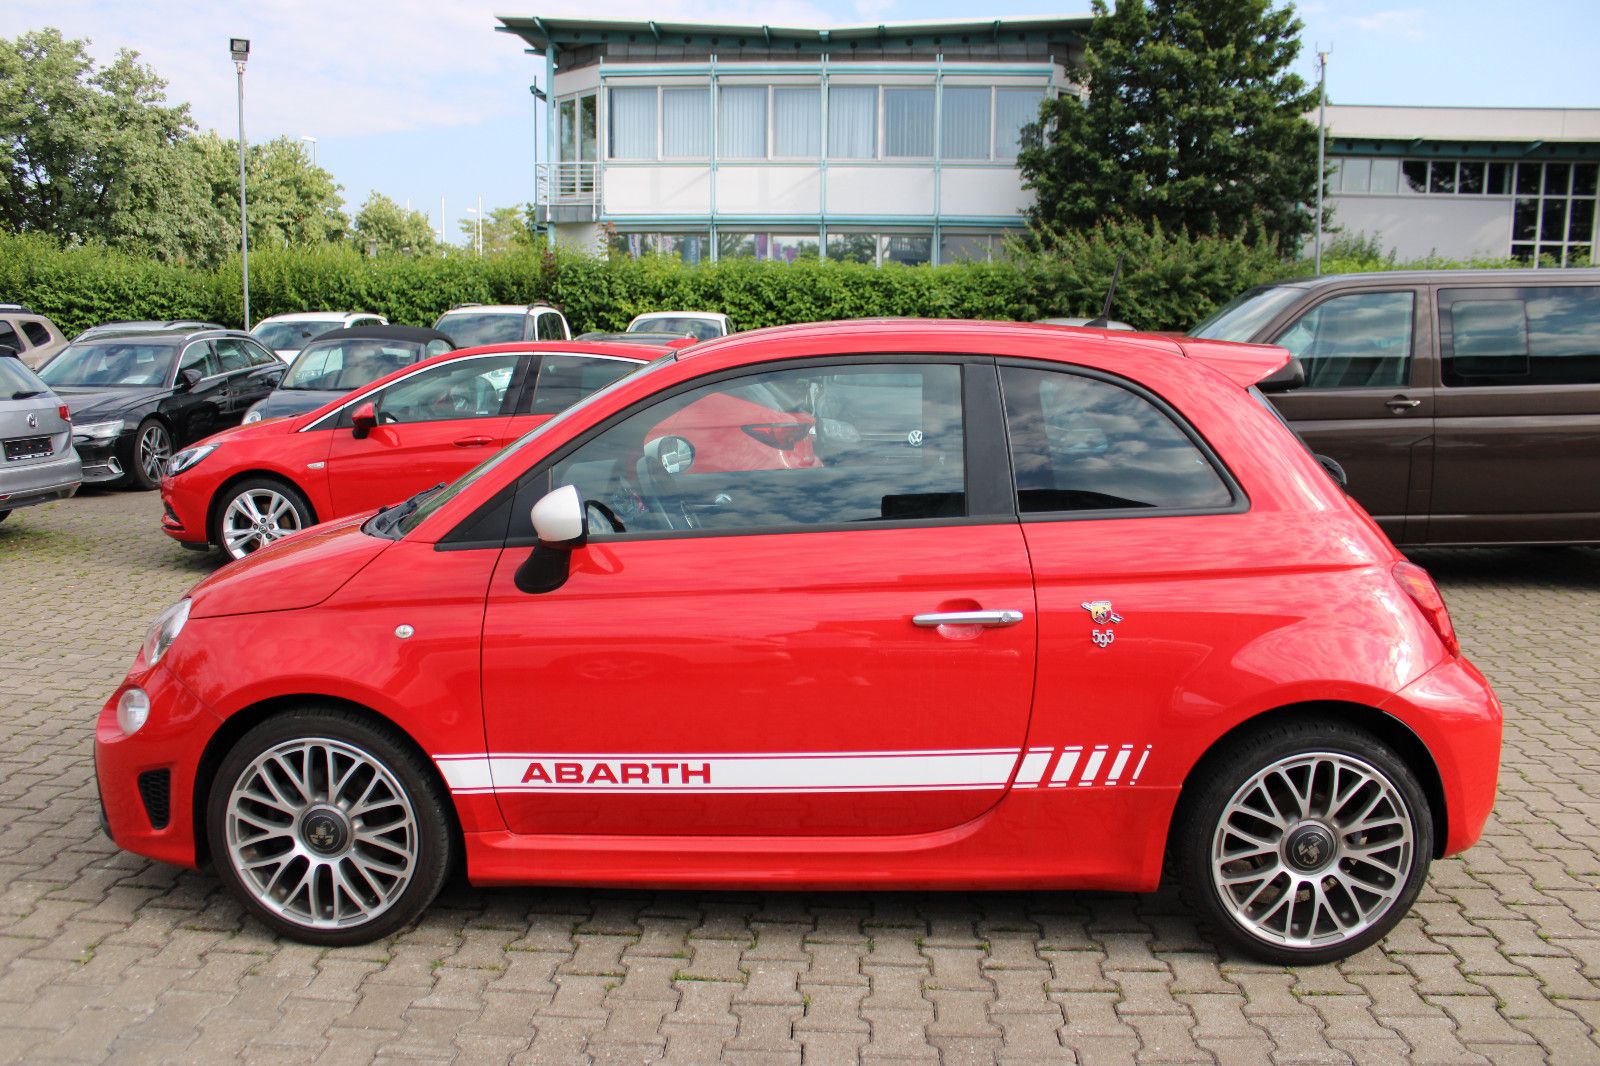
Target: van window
point(1520, 336)
point(1360, 340)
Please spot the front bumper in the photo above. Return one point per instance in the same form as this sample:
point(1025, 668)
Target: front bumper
point(146, 781)
point(102, 460)
point(183, 512)
point(24, 486)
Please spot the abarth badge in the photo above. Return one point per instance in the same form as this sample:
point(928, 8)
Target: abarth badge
point(1101, 612)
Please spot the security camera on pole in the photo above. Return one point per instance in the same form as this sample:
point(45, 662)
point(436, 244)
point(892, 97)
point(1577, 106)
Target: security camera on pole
point(239, 48)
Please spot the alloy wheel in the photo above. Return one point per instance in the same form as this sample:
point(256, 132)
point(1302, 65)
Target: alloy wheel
point(1313, 850)
point(257, 517)
point(321, 833)
point(154, 448)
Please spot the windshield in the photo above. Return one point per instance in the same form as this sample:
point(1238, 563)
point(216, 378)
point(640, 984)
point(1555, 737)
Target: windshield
point(699, 328)
point(283, 336)
point(489, 327)
point(120, 363)
point(1244, 316)
point(16, 378)
point(439, 499)
point(346, 363)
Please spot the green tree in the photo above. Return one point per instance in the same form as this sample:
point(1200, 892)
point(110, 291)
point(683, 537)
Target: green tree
point(504, 229)
point(385, 228)
point(292, 203)
point(91, 154)
point(1192, 120)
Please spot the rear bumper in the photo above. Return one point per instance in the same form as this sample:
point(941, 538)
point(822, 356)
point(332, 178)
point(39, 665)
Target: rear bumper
point(1455, 713)
point(23, 486)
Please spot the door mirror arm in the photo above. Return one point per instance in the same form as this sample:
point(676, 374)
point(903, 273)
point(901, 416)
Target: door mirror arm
point(561, 523)
point(188, 378)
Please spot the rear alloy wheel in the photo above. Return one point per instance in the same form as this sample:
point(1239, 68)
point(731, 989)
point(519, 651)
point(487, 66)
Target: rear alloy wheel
point(327, 829)
point(258, 512)
point(152, 447)
point(1307, 843)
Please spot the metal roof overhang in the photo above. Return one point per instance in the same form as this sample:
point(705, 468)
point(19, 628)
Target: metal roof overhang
point(540, 32)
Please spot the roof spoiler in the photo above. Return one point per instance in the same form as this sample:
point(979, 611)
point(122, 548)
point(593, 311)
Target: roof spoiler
point(1268, 366)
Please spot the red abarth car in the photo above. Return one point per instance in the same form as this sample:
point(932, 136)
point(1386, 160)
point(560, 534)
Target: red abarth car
point(248, 486)
point(1038, 608)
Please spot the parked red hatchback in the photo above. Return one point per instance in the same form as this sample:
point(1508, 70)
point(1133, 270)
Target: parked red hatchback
point(1000, 606)
point(428, 423)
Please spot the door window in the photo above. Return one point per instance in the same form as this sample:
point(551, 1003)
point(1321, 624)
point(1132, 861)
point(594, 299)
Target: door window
point(566, 379)
point(231, 354)
point(8, 337)
point(820, 446)
point(547, 327)
point(198, 356)
point(465, 388)
point(1520, 336)
point(259, 356)
point(1361, 340)
point(1083, 444)
point(38, 336)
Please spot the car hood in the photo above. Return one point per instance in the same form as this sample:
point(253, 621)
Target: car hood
point(96, 405)
point(271, 427)
point(280, 402)
point(296, 572)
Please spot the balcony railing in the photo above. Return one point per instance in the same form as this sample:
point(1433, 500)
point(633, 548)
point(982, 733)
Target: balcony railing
point(569, 184)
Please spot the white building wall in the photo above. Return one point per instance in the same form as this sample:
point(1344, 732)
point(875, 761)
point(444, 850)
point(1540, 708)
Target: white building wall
point(766, 190)
point(1416, 226)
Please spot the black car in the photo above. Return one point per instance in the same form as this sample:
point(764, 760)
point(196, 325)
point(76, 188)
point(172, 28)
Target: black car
point(137, 397)
point(344, 359)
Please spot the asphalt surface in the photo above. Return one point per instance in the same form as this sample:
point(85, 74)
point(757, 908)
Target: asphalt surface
point(107, 957)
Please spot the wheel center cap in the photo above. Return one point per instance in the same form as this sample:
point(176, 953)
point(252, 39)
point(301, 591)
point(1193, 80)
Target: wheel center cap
point(1309, 847)
point(325, 831)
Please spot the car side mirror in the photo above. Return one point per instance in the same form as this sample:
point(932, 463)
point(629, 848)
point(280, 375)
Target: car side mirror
point(188, 378)
point(1291, 375)
point(670, 455)
point(1335, 471)
point(561, 523)
point(363, 420)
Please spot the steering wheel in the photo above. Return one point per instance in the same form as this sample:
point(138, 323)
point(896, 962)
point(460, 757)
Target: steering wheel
point(608, 514)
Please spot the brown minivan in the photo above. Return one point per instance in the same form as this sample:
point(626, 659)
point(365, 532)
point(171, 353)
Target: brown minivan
point(1464, 405)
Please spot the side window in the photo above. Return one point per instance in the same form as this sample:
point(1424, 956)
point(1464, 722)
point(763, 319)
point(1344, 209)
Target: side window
point(782, 449)
point(466, 388)
point(1082, 444)
point(8, 336)
point(259, 356)
point(231, 355)
point(547, 327)
point(1362, 340)
point(198, 356)
point(1520, 336)
point(566, 379)
point(38, 336)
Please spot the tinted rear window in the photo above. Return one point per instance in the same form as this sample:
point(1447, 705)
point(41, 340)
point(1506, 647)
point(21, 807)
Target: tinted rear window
point(470, 330)
point(1523, 335)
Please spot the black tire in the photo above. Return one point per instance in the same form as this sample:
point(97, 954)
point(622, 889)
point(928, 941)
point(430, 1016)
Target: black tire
point(1332, 790)
point(4, 515)
point(150, 441)
point(229, 530)
point(401, 822)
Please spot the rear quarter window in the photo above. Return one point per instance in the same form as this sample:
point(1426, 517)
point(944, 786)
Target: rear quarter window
point(1524, 335)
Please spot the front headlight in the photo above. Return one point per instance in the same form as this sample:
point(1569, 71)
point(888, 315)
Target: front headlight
point(252, 415)
point(188, 457)
point(164, 631)
point(97, 431)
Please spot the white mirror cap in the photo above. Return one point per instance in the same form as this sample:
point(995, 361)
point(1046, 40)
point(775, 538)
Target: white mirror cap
point(558, 516)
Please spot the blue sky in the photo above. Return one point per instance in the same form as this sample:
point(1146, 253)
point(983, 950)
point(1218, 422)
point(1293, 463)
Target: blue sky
point(421, 98)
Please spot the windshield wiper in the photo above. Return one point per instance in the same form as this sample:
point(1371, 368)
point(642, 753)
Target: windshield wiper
point(26, 394)
point(384, 522)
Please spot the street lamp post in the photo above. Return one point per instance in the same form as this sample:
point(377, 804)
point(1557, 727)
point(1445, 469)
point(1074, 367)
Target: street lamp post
point(477, 225)
point(313, 140)
point(239, 48)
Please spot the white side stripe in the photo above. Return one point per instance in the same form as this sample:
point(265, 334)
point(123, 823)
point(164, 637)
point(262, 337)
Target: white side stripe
point(1033, 766)
point(1063, 774)
point(1119, 763)
point(1091, 769)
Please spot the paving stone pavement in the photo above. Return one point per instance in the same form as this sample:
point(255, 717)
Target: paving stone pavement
point(107, 957)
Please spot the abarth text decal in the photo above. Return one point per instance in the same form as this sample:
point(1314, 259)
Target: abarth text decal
point(1102, 765)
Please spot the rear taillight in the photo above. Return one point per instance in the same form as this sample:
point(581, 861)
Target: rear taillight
point(783, 436)
point(1425, 594)
point(66, 415)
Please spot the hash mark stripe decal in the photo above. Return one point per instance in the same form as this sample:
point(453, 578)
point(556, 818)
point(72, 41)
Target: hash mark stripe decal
point(1091, 769)
point(1064, 768)
point(1033, 767)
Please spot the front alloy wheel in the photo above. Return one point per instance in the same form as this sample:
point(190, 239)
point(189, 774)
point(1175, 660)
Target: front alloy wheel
point(152, 447)
point(327, 829)
point(258, 513)
point(1308, 844)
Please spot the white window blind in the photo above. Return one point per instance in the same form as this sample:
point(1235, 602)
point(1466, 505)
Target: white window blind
point(685, 123)
point(1013, 109)
point(742, 122)
point(965, 123)
point(852, 121)
point(796, 123)
point(633, 124)
point(907, 123)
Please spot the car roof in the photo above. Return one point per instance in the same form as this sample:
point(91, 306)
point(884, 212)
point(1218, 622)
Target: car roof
point(312, 316)
point(714, 315)
point(498, 309)
point(1244, 364)
point(1506, 276)
point(414, 334)
point(111, 332)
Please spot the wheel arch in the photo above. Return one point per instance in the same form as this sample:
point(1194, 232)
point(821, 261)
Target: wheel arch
point(237, 725)
point(1385, 727)
point(220, 495)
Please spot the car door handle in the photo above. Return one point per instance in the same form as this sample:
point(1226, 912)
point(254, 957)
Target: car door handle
point(1401, 403)
point(474, 442)
point(967, 618)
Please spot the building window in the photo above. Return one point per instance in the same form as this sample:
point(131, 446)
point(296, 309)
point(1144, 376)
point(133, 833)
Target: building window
point(968, 247)
point(692, 248)
point(907, 123)
point(965, 123)
point(853, 121)
point(742, 122)
point(1013, 109)
point(1554, 215)
point(796, 123)
point(686, 123)
point(788, 247)
point(908, 249)
point(632, 129)
point(853, 248)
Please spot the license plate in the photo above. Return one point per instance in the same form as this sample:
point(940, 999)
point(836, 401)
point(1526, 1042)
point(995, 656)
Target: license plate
point(27, 448)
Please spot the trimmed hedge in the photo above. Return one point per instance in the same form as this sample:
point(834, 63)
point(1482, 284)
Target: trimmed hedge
point(1169, 282)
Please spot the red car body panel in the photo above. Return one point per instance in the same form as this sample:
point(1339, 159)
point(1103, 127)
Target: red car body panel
point(755, 710)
